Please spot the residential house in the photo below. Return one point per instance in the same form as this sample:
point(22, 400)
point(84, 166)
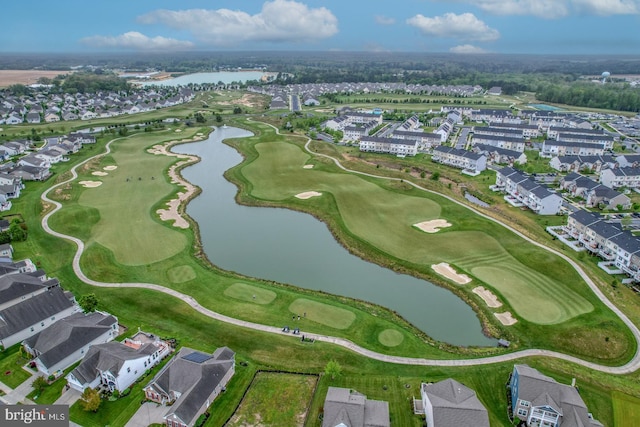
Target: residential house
point(593, 164)
point(426, 141)
point(594, 193)
point(450, 403)
point(551, 148)
point(526, 131)
point(540, 400)
point(469, 161)
point(190, 382)
point(628, 160)
point(399, 147)
point(345, 407)
point(506, 142)
point(67, 340)
point(523, 191)
point(621, 177)
point(500, 156)
point(29, 302)
point(117, 365)
point(49, 155)
point(34, 161)
point(51, 116)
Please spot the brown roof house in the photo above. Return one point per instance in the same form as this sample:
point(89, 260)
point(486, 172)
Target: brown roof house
point(190, 382)
point(450, 403)
point(348, 408)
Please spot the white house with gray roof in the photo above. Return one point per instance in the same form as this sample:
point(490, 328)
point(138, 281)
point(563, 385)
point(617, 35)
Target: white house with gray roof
point(67, 340)
point(348, 408)
point(116, 365)
point(190, 382)
point(450, 403)
point(522, 191)
point(29, 303)
point(540, 400)
point(469, 161)
point(399, 147)
point(621, 177)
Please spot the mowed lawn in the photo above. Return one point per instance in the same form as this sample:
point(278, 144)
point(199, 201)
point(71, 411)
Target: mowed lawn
point(626, 409)
point(127, 226)
point(275, 399)
point(531, 279)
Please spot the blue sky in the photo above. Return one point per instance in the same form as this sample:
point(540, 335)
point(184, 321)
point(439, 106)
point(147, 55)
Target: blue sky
point(461, 26)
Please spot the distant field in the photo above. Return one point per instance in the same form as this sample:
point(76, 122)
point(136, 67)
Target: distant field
point(25, 77)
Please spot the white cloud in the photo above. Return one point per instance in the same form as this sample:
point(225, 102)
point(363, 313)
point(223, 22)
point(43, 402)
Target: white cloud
point(464, 27)
point(467, 48)
point(278, 21)
point(385, 20)
point(552, 9)
point(138, 41)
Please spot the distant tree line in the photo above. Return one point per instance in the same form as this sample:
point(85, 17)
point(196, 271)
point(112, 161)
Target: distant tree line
point(611, 96)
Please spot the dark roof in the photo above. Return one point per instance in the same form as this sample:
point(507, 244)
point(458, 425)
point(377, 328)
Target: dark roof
point(353, 409)
point(68, 335)
point(454, 404)
point(585, 217)
point(17, 285)
point(32, 310)
point(456, 152)
point(553, 142)
point(108, 357)
point(388, 140)
point(194, 375)
point(501, 151)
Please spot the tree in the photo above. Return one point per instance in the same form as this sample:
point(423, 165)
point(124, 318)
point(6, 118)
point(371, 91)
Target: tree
point(39, 384)
point(88, 302)
point(237, 110)
point(90, 400)
point(218, 118)
point(17, 232)
point(333, 369)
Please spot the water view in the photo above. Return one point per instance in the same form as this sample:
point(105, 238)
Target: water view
point(199, 78)
point(295, 248)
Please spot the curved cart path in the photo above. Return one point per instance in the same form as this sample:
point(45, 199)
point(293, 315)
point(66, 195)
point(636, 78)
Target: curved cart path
point(629, 367)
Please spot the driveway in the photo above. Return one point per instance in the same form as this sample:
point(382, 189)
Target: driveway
point(148, 413)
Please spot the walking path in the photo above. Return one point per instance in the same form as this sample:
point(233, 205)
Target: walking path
point(629, 367)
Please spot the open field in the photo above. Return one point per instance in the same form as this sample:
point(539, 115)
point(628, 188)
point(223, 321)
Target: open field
point(626, 409)
point(275, 399)
point(25, 77)
point(385, 218)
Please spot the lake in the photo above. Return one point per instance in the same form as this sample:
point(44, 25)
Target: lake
point(199, 78)
point(295, 248)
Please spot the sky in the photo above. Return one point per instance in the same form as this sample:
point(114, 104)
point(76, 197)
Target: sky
point(459, 26)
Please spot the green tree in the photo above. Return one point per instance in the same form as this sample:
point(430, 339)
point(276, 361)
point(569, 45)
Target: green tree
point(333, 369)
point(90, 400)
point(88, 302)
point(237, 110)
point(200, 118)
point(17, 232)
point(39, 384)
point(218, 118)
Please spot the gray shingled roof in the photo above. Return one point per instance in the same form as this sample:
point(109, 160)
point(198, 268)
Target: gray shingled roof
point(353, 409)
point(17, 285)
point(68, 335)
point(455, 404)
point(108, 357)
point(32, 311)
point(194, 378)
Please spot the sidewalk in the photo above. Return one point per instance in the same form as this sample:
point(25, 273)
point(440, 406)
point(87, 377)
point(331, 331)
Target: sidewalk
point(19, 393)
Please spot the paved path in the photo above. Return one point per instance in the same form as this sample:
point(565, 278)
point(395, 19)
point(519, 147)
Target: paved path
point(19, 394)
point(629, 367)
point(148, 413)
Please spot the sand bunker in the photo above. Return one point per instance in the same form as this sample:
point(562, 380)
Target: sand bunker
point(308, 166)
point(90, 184)
point(172, 213)
point(489, 298)
point(432, 226)
point(505, 318)
point(308, 195)
point(178, 130)
point(99, 173)
point(110, 168)
point(445, 270)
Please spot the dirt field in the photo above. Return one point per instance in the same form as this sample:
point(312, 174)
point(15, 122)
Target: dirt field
point(25, 77)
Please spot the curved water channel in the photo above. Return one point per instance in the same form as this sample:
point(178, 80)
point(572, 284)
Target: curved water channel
point(295, 248)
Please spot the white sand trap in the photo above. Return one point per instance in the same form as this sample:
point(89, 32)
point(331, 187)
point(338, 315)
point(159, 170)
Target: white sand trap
point(171, 214)
point(308, 166)
point(432, 226)
point(99, 173)
point(178, 130)
point(90, 184)
point(489, 298)
point(445, 270)
point(110, 168)
point(308, 195)
point(505, 318)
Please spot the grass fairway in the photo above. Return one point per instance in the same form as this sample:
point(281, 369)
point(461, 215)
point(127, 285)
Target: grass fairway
point(127, 226)
point(382, 216)
point(181, 274)
point(325, 314)
point(244, 292)
point(275, 399)
point(390, 338)
point(626, 409)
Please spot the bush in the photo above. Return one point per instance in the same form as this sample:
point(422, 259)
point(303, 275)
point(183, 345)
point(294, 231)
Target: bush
point(201, 420)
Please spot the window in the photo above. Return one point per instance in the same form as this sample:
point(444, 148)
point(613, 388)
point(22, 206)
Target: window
point(41, 323)
point(53, 318)
point(145, 364)
point(32, 329)
point(524, 403)
point(128, 369)
point(522, 412)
